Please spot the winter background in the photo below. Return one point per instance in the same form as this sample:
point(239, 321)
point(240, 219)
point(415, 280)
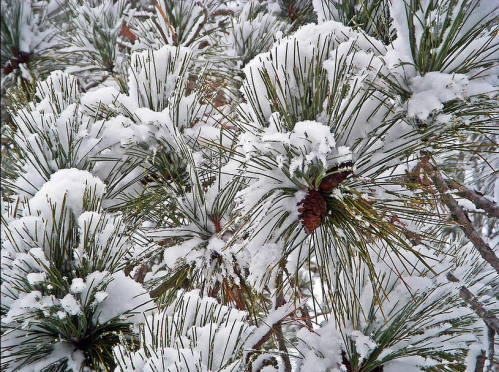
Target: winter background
point(250, 185)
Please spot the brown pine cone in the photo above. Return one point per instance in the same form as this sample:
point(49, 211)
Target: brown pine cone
point(312, 211)
point(13, 63)
point(331, 181)
point(23, 57)
point(8, 68)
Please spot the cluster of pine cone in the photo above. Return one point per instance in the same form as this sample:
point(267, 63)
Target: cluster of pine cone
point(313, 207)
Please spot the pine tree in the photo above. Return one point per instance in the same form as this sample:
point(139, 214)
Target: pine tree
point(250, 185)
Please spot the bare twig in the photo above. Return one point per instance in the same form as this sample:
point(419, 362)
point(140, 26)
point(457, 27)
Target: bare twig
point(488, 317)
point(489, 206)
point(281, 344)
point(261, 341)
point(490, 353)
point(200, 25)
point(253, 345)
point(480, 362)
point(460, 216)
point(269, 361)
point(158, 27)
point(306, 317)
point(222, 12)
point(172, 30)
point(270, 325)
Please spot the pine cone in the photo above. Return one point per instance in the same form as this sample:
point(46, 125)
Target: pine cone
point(330, 182)
point(13, 63)
point(8, 68)
point(313, 210)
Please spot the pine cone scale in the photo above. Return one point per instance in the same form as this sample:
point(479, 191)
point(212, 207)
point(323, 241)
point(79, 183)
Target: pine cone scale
point(332, 180)
point(313, 210)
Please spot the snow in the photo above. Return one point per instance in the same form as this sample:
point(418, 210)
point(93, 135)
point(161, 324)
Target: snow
point(35, 278)
point(151, 83)
point(68, 188)
point(74, 358)
point(78, 285)
point(193, 333)
point(274, 317)
point(474, 351)
point(364, 344)
point(58, 91)
point(248, 29)
point(378, 96)
point(432, 90)
point(124, 295)
point(100, 296)
point(321, 349)
point(263, 263)
point(71, 305)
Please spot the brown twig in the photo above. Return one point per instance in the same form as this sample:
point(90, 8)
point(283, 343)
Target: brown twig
point(489, 206)
point(281, 344)
point(306, 317)
point(488, 317)
point(200, 25)
point(480, 362)
point(222, 12)
point(459, 215)
point(172, 30)
point(490, 353)
point(254, 345)
point(140, 274)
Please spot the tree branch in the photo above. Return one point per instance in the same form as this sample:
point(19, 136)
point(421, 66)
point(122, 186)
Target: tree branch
point(262, 334)
point(459, 215)
point(480, 362)
point(489, 206)
point(306, 317)
point(490, 353)
point(281, 344)
point(200, 25)
point(488, 317)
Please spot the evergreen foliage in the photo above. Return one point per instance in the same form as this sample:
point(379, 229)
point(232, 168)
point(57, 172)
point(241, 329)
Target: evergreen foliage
point(250, 185)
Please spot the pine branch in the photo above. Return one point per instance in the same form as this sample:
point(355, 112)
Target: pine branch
point(459, 215)
point(489, 206)
point(200, 26)
point(480, 362)
point(490, 353)
point(281, 344)
point(488, 317)
point(256, 340)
